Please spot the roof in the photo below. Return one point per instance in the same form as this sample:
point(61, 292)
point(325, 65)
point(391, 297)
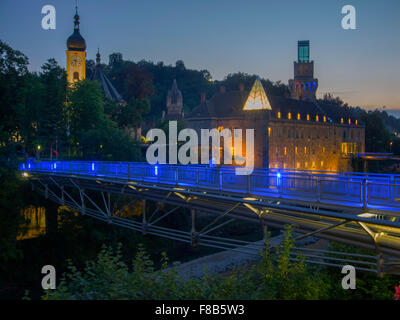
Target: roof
point(231, 104)
point(257, 99)
point(76, 42)
point(105, 84)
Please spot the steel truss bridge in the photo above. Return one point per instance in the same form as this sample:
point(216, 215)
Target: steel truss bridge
point(356, 209)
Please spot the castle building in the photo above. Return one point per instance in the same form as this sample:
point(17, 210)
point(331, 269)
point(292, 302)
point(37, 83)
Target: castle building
point(290, 133)
point(76, 54)
point(174, 104)
point(304, 86)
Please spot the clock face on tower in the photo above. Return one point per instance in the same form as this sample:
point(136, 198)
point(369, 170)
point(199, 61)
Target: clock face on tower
point(76, 60)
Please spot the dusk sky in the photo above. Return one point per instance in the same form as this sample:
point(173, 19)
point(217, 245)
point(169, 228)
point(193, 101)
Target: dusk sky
point(257, 37)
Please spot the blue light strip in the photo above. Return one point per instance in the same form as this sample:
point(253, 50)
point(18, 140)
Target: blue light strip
point(341, 188)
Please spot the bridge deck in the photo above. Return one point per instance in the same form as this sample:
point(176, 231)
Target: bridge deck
point(377, 192)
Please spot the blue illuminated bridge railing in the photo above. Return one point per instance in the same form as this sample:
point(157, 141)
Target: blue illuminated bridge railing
point(368, 191)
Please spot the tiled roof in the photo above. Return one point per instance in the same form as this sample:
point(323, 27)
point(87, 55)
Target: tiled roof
point(230, 104)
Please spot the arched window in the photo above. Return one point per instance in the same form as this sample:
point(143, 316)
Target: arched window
point(76, 76)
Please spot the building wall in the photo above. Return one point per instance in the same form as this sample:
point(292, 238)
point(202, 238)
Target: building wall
point(307, 145)
point(76, 66)
point(259, 124)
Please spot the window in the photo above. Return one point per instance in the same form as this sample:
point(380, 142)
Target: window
point(324, 118)
point(285, 151)
point(308, 117)
point(349, 121)
point(316, 118)
point(298, 116)
point(269, 131)
point(76, 76)
point(305, 150)
point(279, 115)
point(289, 116)
point(341, 120)
point(296, 150)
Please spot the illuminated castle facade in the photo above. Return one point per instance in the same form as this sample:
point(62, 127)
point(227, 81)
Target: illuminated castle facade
point(290, 133)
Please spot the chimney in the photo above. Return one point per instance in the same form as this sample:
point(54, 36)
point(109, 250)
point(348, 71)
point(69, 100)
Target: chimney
point(241, 86)
point(202, 97)
point(222, 89)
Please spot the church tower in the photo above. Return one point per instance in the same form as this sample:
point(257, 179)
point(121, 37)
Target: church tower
point(76, 54)
point(304, 86)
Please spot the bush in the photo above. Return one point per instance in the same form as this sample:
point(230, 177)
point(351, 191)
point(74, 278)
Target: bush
point(110, 278)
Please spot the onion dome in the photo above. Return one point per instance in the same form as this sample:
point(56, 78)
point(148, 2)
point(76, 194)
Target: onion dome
point(76, 42)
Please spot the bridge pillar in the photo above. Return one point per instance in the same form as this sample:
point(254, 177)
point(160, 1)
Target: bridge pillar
point(144, 221)
point(62, 196)
point(109, 214)
point(194, 234)
point(364, 195)
point(83, 208)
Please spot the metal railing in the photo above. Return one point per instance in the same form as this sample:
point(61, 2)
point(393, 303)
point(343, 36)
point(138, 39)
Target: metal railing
point(368, 191)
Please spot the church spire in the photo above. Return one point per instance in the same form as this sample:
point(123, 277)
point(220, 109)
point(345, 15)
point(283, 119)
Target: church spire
point(98, 56)
point(76, 17)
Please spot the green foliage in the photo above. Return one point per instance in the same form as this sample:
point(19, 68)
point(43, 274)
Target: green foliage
point(109, 144)
point(10, 206)
point(275, 277)
point(85, 107)
point(376, 134)
point(130, 115)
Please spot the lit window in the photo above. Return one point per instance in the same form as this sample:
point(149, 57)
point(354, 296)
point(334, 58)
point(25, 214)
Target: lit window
point(289, 116)
point(316, 118)
point(296, 149)
point(298, 165)
point(279, 115)
point(298, 116)
point(220, 129)
point(308, 117)
point(341, 120)
point(305, 150)
point(324, 118)
point(269, 131)
point(349, 121)
point(356, 122)
point(285, 151)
